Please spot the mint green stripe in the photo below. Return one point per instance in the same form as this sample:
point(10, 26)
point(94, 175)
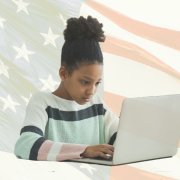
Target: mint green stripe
point(25, 143)
point(88, 131)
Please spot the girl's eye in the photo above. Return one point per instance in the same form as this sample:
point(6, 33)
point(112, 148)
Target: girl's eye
point(84, 82)
point(98, 83)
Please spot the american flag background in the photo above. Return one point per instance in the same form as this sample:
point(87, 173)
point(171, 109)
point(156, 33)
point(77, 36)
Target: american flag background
point(141, 58)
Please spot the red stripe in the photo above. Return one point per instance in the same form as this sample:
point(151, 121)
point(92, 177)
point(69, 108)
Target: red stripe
point(114, 102)
point(131, 51)
point(44, 150)
point(127, 172)
point(166, 37)
point(71, 151)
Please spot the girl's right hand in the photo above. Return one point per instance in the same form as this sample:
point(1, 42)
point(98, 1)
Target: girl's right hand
point(98, 150)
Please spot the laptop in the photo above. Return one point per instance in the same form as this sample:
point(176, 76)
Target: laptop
point(148, 129)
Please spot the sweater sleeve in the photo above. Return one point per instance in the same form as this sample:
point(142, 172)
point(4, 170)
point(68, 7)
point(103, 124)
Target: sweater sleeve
point(32, 145)
point(111, 121)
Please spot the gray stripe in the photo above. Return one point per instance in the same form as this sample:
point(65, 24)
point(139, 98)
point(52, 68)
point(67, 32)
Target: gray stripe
point(94, 110)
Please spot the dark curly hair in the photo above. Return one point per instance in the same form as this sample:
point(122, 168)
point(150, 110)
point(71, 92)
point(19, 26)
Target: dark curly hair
point(81, 46)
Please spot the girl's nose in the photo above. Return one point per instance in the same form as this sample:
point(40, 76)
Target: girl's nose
point(91, 91)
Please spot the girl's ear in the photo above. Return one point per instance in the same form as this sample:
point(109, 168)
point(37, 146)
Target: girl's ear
point(62, 73)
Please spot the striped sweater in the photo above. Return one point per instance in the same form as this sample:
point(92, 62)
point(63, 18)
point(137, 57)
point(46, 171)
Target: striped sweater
point(56, 129)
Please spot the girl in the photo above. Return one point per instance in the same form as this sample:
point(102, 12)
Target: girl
point(73, 121)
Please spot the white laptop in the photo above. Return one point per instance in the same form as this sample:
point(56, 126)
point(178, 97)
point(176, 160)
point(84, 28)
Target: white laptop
point(149, 128)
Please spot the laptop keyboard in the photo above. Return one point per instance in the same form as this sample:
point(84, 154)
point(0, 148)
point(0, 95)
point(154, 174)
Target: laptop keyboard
point(101, 158)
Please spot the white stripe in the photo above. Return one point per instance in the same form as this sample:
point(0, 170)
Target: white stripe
point(161, 13)
point(132, 79)
point(165, 54)
point(168, 167)
point(54, 151)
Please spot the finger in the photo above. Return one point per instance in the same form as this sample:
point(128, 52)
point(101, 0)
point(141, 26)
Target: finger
point(110, 152)
point(110, 147)
point(107, 151)
point(103, 155)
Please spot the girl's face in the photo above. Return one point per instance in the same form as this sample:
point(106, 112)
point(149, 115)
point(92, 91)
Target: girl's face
point(83, 83)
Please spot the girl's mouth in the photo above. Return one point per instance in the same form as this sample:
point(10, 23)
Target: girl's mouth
point(87, 100)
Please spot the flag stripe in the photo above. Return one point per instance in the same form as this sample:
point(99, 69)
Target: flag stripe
point(131, 51)
point(166, 37)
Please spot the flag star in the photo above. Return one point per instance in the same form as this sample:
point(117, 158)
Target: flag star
point(50, 37)
point(88, 167)
point(3, 69)
point(23, 52)
point(21, 6)
point(27, 99)
point(48, 83)
point(1, 22)
point(61, 17)
point(8, 102)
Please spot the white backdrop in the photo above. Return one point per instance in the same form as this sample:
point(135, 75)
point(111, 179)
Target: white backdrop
point(141, 58)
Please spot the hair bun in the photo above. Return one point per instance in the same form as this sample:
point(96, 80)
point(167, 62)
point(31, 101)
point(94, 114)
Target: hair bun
point(81, 27)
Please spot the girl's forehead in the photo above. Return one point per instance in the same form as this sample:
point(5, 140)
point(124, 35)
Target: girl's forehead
point(90, 73)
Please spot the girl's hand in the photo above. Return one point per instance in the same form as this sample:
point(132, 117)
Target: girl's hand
point(98, 150)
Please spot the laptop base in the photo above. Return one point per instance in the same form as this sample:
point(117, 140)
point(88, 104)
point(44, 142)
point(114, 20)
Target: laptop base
point(79, 161)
